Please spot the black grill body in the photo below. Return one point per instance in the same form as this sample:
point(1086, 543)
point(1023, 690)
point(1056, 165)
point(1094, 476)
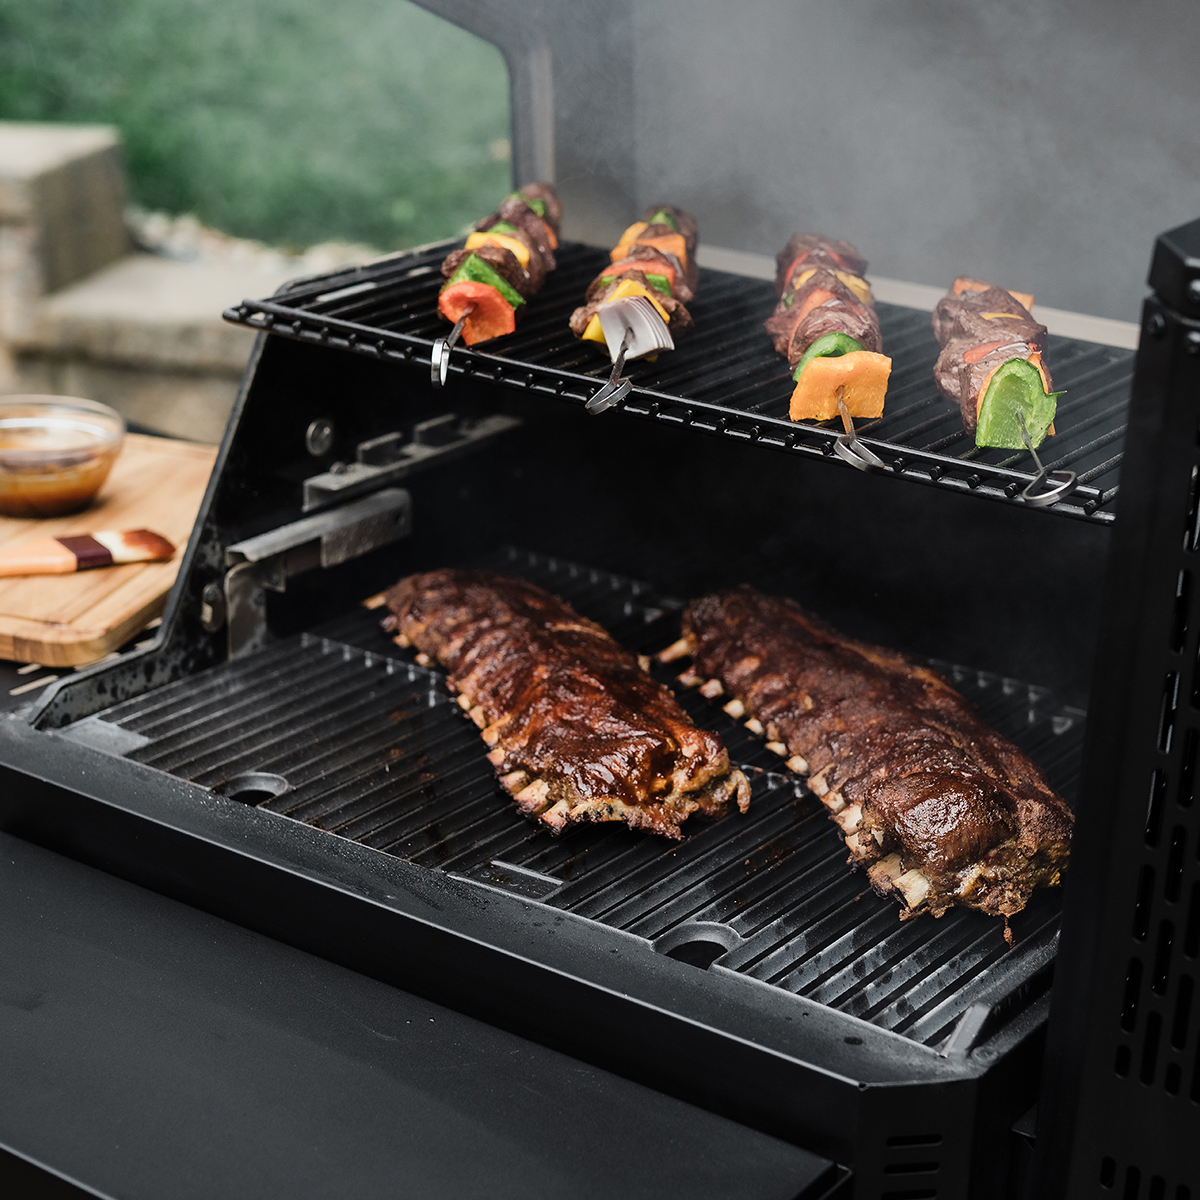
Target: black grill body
point(1121, 1102)
point(273, 758)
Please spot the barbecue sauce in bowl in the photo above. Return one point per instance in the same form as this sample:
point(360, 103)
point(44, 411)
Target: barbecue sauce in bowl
point(55, 453)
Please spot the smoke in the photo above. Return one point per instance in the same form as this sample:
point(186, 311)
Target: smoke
point(1041, 146)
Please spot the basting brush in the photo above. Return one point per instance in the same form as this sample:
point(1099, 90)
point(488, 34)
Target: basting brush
point(82, 551)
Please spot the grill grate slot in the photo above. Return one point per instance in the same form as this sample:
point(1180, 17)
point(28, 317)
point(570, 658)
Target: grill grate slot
point(374, 749)
point(728, 379)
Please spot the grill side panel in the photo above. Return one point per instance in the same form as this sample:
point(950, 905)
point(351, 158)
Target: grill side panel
point(1121, 1096)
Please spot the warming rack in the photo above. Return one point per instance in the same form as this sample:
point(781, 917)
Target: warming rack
point(725, 378)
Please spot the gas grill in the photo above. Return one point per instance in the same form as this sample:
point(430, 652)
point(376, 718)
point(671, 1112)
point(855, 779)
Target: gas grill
point(273, 757)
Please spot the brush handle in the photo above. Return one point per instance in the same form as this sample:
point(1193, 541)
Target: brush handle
point(42, 556)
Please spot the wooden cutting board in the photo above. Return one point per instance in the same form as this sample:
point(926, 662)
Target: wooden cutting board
point(67, 620)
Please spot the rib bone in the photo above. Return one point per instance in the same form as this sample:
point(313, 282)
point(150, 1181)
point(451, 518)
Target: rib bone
point(675, 650)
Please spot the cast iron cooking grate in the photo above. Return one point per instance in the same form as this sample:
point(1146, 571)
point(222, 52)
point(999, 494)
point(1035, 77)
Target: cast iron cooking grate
point(370, 746)
point(726, 379)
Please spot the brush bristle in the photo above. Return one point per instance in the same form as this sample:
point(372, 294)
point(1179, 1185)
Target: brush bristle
point(143, 544)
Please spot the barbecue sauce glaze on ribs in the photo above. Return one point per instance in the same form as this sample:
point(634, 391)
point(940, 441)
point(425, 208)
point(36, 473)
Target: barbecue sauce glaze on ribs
point(578, 730)
point(938, 807)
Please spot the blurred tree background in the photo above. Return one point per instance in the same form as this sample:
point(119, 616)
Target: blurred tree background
point(288, 121)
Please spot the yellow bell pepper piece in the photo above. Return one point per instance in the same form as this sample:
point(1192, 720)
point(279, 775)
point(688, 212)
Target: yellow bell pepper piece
point(856, 284)
point(507, 241)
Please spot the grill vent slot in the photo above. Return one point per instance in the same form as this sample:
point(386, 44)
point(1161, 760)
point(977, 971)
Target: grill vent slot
point(1179, 625)
point(916, 1139)
point(1145, 898)
point(1187, 769)
point(1183, 1013)
point(1133, 984)
point(1158, 795)
point(1191, 528)
point(1159, 1188)
point(1162, 959)
point(1108, 1172)
point(1166, 724)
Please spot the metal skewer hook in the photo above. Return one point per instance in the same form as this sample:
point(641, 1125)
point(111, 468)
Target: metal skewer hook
point(848, 446)
point(439, 362)
point(1062, 483)
point(613, 392)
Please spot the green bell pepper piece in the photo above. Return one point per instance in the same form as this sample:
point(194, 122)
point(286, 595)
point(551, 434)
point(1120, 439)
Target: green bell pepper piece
point(473, 269)
point(502, 227)
point(662, 217)
point(1015, 388)
point(538, 206)
point(832, 345)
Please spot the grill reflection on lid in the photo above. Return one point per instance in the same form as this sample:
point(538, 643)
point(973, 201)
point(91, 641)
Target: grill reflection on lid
point(727, 379)
point(374, 749)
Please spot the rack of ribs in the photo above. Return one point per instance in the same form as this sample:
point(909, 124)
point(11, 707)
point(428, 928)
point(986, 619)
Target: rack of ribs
point(938, 807)
point(577, 729)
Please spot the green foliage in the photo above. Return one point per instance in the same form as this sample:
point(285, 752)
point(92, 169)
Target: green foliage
point(291, 121)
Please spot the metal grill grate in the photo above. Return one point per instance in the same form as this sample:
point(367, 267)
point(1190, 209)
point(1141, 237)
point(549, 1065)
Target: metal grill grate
point(372, 748)
point(725, 378)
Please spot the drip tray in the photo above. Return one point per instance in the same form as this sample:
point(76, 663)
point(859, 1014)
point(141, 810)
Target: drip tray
point(338, 728)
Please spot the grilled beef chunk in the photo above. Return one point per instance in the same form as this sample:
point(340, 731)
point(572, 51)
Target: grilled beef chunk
point(503, 262)
point(549, 197)
point(531, 227)
point(806, 250)
point(793, 329)
point(678, 317)
point(981, 327)
point(938, 807)
point(654, 261)
point(578, 730)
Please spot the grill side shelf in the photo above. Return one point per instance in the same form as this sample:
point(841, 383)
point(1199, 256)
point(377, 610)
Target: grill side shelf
point(337, 730)
point(728, 382)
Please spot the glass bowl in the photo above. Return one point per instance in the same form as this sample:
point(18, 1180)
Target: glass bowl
point(55, 453)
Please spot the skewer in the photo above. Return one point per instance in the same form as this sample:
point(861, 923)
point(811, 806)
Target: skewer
point(1062, 483)
point(848, 447)
point(612, 392)
point(439, 362)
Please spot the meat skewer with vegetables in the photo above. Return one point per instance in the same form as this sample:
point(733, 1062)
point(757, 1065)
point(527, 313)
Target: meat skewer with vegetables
point(825, 323)
point(502, 264)
point(638, 302)
point(991, 364)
